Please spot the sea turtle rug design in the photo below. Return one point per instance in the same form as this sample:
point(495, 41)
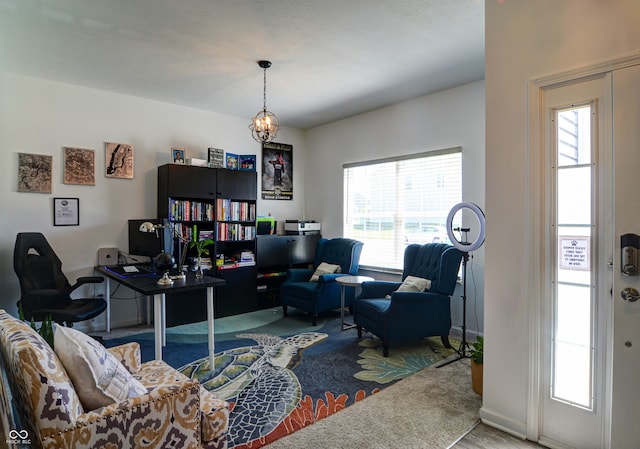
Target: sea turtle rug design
point(265, 395)
point(257, 380)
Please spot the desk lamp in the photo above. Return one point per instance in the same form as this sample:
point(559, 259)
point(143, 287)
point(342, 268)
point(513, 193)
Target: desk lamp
point(162, 261)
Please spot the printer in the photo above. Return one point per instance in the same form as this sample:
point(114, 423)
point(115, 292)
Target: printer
point(302, 227)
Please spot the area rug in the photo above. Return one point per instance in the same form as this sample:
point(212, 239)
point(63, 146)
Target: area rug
point(282, 374)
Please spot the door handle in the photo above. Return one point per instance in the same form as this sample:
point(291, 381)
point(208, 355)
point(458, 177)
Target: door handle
point(630, 294)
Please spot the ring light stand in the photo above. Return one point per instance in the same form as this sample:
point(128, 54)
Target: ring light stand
point(465, 247)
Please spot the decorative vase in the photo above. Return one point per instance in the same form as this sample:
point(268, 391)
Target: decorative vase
point(199, 273)
point(476, 377)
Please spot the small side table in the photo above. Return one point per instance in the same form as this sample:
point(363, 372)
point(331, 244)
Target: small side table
point(349, 281)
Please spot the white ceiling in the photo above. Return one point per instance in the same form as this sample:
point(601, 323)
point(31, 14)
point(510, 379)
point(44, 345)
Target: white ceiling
point(331, 58)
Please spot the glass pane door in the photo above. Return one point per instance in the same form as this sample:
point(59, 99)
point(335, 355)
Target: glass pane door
point(574, 293)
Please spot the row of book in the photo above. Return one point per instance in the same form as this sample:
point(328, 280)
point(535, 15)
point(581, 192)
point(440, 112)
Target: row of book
point(227, 210)
point(243, 258)
point(187, 210)
point(235, 231)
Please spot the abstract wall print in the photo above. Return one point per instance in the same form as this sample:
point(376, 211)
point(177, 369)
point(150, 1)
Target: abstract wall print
point(34, 173)
point(79, 166)
point(277, 171)
point(119, 160)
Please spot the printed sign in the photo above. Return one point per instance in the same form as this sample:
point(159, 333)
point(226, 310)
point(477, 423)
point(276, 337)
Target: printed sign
point(575, 253)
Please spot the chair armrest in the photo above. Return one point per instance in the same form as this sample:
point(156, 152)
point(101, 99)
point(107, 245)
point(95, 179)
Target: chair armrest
point(330, 277)
point(129, 355)
point(378, 289)
point(423, 297)
point(87, 280)
point(298, 275)
point(160, 417)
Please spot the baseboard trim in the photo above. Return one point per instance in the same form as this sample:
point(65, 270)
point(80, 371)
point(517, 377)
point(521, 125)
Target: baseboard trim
point(512, 427)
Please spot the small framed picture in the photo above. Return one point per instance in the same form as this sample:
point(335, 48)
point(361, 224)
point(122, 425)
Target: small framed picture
point(232, 161)
point(216, 158)
point(66, 211)
point(177, 155)
point(247, 162)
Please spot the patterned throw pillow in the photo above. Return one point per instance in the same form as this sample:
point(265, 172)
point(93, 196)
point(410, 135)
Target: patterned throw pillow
point(98, 377)
point(324, 268)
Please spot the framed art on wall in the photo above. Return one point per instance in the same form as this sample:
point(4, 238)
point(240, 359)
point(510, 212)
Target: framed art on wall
point(118, 160)
point(277, 171)
point(66, 211)
point(79, 166)
point(34, 173)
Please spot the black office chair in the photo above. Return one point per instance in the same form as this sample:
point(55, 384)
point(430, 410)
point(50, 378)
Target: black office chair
point(45, 290)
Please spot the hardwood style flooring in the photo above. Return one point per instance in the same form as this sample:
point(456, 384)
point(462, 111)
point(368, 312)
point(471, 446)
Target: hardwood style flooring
point(485, 437)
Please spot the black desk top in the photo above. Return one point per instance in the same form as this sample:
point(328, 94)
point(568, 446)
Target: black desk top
point(148, 285)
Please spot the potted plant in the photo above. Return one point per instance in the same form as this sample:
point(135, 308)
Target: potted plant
point(46, 328)
point(201, 248)
point(476, 353)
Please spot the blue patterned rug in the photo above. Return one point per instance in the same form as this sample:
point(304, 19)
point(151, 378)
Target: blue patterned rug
point(282, 374)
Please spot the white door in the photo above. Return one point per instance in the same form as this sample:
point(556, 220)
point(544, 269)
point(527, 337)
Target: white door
point(625, 424)
point(591, 335)
point(578, 243)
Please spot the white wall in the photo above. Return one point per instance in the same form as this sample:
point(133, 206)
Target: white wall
point(39, 116)
point(450, 118)
point(525, 41)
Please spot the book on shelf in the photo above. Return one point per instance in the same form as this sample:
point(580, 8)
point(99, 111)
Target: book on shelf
point(205, 234)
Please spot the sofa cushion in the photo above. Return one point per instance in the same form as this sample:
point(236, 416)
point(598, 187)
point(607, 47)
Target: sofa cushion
point(98, 377)
point(324, 268)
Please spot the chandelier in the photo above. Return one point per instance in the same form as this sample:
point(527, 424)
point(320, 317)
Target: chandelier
point(264, 126)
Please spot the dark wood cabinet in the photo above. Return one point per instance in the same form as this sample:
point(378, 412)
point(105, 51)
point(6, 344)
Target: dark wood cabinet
point(199, 203)
point(185, 181)
point(275, 254)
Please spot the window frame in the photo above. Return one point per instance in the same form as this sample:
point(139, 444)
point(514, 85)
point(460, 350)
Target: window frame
point(396, 262)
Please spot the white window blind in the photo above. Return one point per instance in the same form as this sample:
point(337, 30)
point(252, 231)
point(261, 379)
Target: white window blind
point(393, 202)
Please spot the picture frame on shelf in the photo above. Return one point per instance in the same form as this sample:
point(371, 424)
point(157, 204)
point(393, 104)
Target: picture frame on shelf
point(232, 161)
point(177, 155)
point(215, 157)
point(247, 162)
point(66, 211)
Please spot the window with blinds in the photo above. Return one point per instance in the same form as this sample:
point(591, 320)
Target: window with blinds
point(391, 203)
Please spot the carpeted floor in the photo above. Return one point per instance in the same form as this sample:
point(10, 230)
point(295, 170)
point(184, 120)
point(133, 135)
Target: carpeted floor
point(282, 374)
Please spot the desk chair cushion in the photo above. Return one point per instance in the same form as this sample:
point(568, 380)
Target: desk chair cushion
point(98, 376)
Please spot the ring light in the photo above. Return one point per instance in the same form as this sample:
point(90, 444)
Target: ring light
point(465, 248)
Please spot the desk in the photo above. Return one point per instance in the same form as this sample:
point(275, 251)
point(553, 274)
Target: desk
point(349, 281)
point(148, 286)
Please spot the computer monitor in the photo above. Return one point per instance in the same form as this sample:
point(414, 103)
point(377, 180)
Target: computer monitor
point(145, 243)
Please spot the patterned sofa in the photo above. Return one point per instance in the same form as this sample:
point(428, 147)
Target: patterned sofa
point(175, 412)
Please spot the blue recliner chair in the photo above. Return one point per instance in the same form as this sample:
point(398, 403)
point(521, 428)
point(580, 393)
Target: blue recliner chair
point(411, 315)
point(300, 292)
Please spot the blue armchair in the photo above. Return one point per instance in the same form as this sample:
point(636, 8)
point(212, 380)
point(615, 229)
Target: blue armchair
point(300, 292)
point(411, 315)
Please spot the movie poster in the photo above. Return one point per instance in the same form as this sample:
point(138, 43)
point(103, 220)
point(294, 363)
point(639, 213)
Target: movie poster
point(277, 171)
